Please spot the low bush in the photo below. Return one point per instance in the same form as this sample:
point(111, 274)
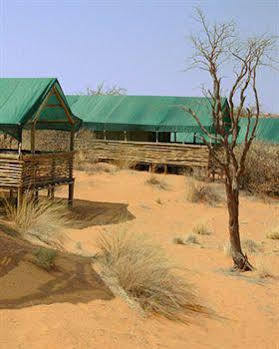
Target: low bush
point(157, 182)
point(247, 246)
point(261, 175)
point(274, 234)
point(43, 219)
point(201, 229)
point(146, 274)
point(189, 239)
point(200, 192)
point(250, 246)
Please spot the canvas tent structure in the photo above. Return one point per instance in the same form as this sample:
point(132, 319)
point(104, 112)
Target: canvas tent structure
point(141, 127)
point(143, 113)
point(267, 130)
point(35, 104)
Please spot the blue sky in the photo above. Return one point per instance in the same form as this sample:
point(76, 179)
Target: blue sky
point(140, 45)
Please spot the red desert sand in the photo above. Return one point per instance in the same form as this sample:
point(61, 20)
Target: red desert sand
point(76, 310)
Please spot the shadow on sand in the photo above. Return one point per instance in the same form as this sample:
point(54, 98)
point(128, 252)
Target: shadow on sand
point(24, 284)
point(86, 213)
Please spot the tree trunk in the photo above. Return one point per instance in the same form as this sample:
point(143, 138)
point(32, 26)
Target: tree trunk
point(240, 260)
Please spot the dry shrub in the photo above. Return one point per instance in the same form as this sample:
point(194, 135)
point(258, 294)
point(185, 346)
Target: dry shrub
point(96, 168)
point(250, 246)
point(146, 274)
point(189, 239)
point(43, 220)
point(159, 201)
point(157, 182)
point(273, 234)
point(263, 269)
point(125, 163)
point(261, 175)
point(201, 229)
point(201, 192)
point(247, 246)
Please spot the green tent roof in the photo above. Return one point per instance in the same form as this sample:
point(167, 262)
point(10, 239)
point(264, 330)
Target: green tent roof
point(267, 130)
point(148, 113)
point(22, 98)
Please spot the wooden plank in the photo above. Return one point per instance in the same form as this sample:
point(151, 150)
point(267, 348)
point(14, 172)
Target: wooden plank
point(148, 152)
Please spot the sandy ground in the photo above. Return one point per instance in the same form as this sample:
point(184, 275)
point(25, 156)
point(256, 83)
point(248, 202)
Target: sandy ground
point(58, 317)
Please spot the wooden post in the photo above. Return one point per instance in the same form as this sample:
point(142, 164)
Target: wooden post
point(52, 187)
point(19, 196)
point(32, 138)
point(125, 136)
point(105, 135)
point(19, 148)
point(71, 164)
point(71, 194)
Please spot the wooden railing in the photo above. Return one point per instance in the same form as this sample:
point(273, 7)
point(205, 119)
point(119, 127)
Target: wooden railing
point(36, 170)
point(149, 152)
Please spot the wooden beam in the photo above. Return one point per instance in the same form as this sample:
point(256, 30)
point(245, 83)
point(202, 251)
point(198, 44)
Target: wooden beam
point(69, 116)
point(42, 106)
point(54, 106)
point(52, 121)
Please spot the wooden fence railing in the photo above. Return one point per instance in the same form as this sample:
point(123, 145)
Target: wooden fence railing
point(35, 170)
point(148, 152)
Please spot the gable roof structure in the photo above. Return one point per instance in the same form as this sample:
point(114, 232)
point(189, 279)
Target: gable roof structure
point(145, 113)
point(40, 100)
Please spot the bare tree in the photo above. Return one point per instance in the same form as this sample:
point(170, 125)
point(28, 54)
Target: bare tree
point(213, 47)
point(101, 89)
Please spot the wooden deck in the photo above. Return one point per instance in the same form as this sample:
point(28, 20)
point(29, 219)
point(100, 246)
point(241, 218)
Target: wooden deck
point(36, 171)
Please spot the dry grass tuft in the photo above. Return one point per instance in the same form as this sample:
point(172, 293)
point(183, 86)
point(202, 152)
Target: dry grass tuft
point(200, 192)
point(157, 182)
point(146, 274)
point(97, 167)
point(189, 239)
point(43, 220)
point(227, 249)
point(125, 164)
point(250, 246)
point(263, 270)
point(247, 246)
point(159, 201)
point(273, 234)
point(201, 229)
